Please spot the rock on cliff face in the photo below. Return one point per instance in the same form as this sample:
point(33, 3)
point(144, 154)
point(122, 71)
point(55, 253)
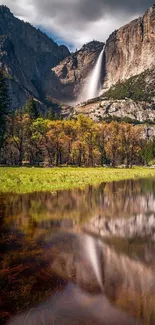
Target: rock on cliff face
point(126, 109)
point(27, 56)
point(73, 71)
point(130, 50)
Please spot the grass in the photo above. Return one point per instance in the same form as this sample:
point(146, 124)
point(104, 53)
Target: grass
point(27, 180)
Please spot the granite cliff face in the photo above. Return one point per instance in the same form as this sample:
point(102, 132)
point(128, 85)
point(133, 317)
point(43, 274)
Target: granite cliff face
point(73, 71)
point(105, 109)
point(129, 51)
point(27, 56)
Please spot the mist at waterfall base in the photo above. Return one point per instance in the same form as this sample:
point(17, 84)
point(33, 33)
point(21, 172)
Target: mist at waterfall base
point(92, 86)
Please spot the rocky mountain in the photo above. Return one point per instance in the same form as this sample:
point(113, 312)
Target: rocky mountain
point(73, 71)
point(128, 75)
point(35, 65)
point(27, 56)
point(129, 51)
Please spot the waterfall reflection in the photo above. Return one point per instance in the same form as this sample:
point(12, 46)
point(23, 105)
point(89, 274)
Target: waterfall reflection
point(35, 267)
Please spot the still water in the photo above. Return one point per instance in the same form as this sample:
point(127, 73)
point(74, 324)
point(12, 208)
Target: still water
point(79, 256)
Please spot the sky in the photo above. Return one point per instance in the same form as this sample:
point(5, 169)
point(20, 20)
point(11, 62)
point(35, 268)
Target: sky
point(76, 22)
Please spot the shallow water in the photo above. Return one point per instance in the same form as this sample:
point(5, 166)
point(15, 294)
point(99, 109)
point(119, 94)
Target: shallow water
point(47, 274)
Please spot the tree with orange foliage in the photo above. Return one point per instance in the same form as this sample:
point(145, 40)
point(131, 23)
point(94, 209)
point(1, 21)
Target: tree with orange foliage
point(113, 145)
point(131, 142)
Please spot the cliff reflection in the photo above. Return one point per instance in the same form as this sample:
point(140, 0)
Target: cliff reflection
point(44, 258)
point(112, 200)
point(40, 291)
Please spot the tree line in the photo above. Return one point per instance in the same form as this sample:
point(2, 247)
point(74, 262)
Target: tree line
point(27, 138)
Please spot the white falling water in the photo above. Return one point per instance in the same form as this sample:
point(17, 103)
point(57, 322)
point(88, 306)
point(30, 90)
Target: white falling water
point(91, 250)
point(92, 87)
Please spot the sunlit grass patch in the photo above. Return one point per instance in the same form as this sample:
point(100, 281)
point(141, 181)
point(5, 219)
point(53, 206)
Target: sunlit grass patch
point(27, 180)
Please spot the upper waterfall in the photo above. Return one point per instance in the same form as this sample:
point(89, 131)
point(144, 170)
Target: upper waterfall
point(92, 85)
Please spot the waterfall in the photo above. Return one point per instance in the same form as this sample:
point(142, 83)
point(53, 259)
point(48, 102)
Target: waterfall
point(92, 86)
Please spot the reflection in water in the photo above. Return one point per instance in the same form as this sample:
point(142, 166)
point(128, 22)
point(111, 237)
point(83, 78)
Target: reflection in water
point(69, 256)
point(92, 254)
point(43, 252)
point(115, 200)
point(74, 307)
point(139, 226)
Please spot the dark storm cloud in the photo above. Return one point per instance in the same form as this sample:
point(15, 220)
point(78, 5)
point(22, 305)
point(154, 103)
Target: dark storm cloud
point(90, 10)
point(78, 21)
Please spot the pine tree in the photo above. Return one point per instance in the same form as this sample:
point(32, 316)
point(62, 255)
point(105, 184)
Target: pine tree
point(4, 102)
point(50, 115)
point(31, 108)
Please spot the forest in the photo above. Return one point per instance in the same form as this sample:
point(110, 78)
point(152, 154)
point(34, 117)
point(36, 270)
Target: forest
point(31, 138)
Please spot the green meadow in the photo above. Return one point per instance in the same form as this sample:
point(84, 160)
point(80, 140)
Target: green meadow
point(27, 180)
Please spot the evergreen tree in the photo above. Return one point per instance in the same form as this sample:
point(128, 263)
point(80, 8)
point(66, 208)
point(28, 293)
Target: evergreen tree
point(4, 101)
point(148, 151)
point(49, 114)
point(31, 108)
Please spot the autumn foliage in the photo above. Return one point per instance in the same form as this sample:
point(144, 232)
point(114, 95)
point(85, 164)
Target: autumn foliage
point(81, 142)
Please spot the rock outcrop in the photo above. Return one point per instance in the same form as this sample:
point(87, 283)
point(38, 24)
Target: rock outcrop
point(126, 109)
point(27, 56)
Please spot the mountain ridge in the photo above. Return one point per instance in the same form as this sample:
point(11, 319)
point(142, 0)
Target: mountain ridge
point(34, 65)
point(27, 56)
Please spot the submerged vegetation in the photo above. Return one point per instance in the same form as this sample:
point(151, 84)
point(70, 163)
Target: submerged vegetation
point(26, 180)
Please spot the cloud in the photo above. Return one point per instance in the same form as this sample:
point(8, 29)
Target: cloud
point(78, 21)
